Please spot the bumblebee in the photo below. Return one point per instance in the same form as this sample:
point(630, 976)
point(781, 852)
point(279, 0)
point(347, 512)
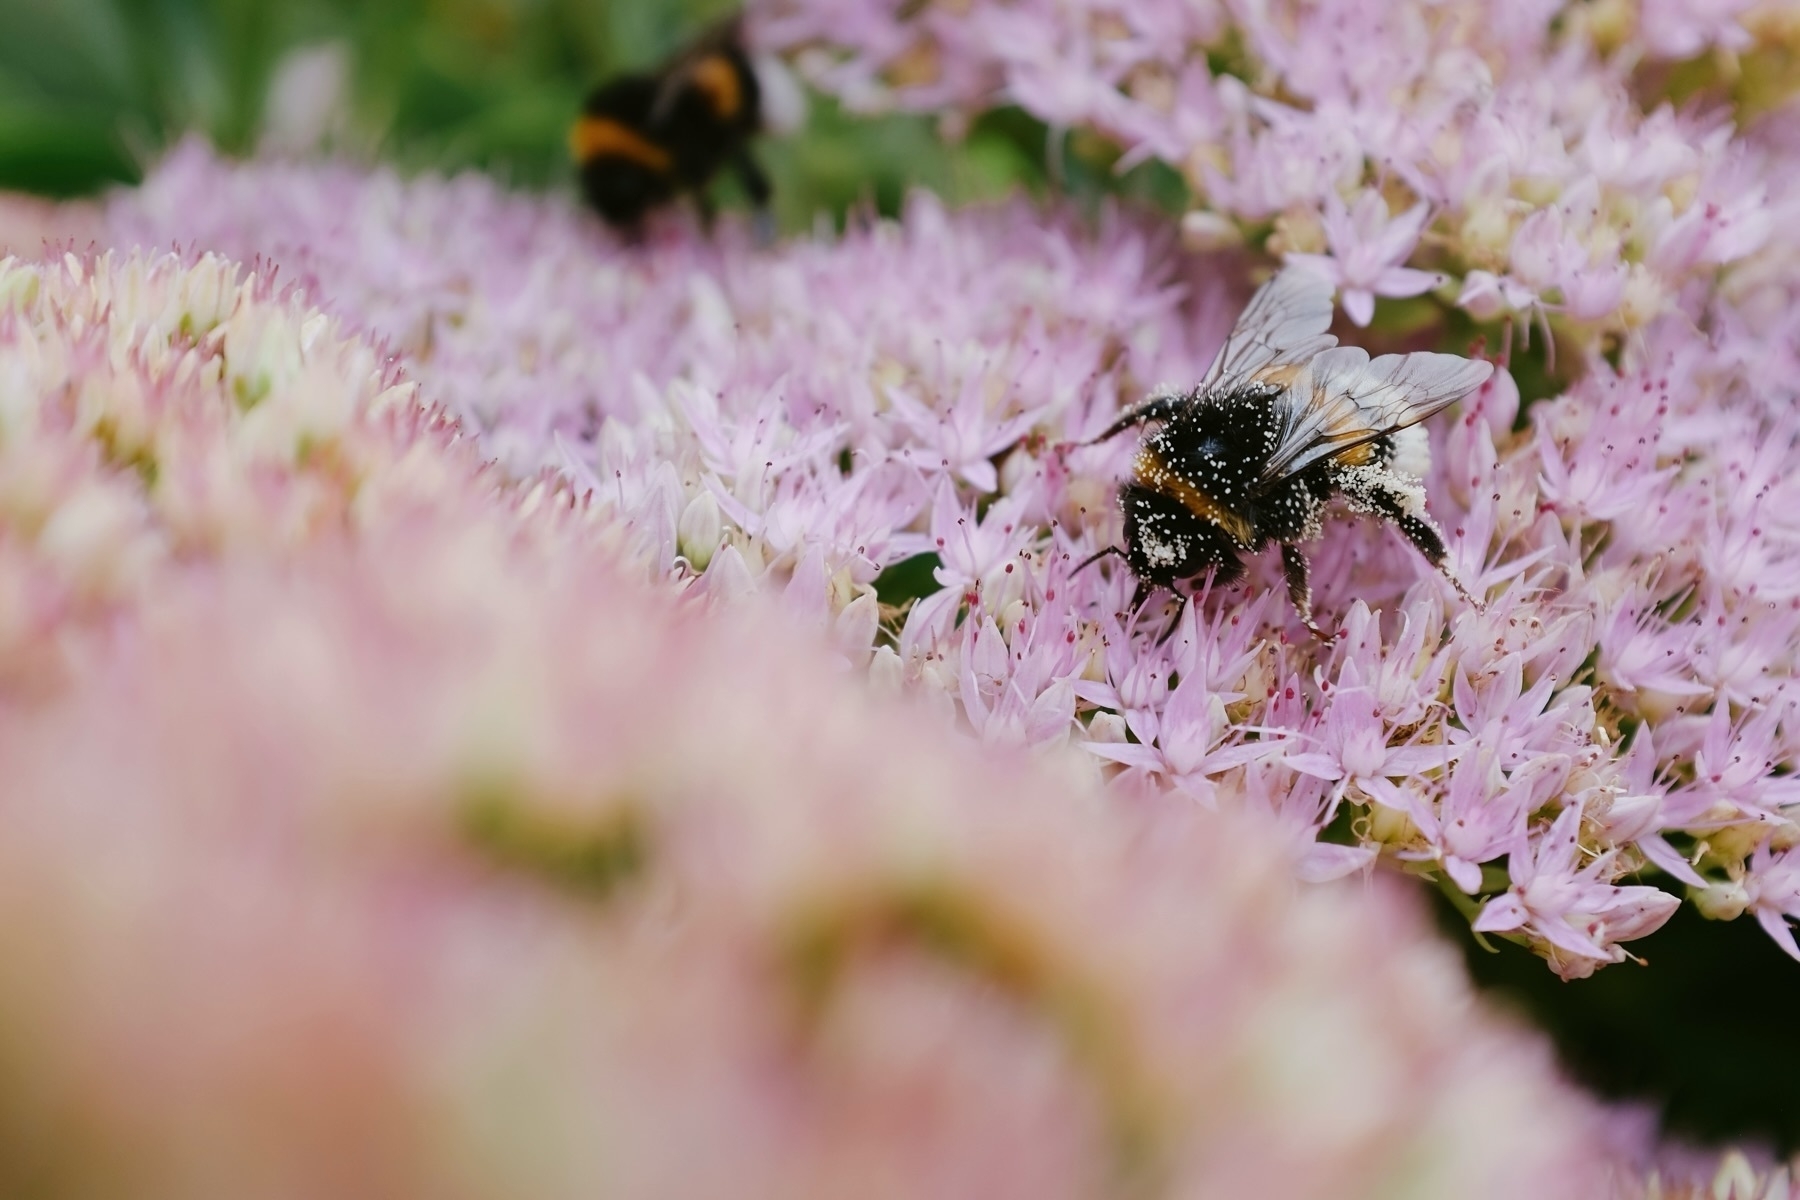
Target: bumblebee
point(1283, 421)
point(644, 139)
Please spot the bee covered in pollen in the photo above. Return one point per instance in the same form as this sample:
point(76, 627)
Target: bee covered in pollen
point(644, 139)
point(1283, 421)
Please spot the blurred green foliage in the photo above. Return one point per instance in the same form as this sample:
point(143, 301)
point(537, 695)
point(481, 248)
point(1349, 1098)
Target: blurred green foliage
point(92, 90)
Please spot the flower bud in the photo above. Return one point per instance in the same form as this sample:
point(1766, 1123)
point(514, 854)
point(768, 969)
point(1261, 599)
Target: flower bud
point(1390, 826)
point(1106, 727)
point(887, 674)
point(1012, 616)
point(1644, 299)
point(1487, 232)
point(698, 531)
point(730, 577)
point(1720, 901)
point(1785, 836)
point(857, 625)
point(1203, 231)
point(1298, 231)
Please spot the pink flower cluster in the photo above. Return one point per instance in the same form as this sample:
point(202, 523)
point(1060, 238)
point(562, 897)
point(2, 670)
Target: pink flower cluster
point(368, 831)
point(800, 420)
point(1503, 147)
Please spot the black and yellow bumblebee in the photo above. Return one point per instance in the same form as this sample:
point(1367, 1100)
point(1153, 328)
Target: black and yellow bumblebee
point(644, 139)
point(1284, 420)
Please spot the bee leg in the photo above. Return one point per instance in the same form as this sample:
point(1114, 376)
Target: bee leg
point(709, 212)
point(1140, 594)
point(1181, 603)
point(1157, 408)
point(1294, 566)
point(750, 174)
point(756, 186)
point(1399, 505)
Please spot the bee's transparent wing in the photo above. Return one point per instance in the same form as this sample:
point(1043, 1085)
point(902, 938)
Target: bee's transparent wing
point(1283, 325)
point(1279, 330)
point(677, 74)
point(1346, 400)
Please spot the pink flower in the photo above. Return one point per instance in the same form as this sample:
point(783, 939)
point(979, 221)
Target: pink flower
point(1405, 675)
point(1681, 29)
point(1353, 745)
point(1733, 770)
point(961, 436)
point(238, 557)
point(1571, 907)
point(1367, 250)
point(1302, 808)
point(1194, 736)
point(1774, 890)
point(1018, 672)
point(1480, 818)
point(1487, 295)
point(982, 560)
point(1641, 653)
point(1502, 714)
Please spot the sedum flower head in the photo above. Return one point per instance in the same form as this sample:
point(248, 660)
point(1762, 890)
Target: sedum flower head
point(1395, 145)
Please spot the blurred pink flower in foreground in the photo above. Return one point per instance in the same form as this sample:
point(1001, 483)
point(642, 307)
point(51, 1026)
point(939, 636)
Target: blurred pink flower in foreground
point(369, 831)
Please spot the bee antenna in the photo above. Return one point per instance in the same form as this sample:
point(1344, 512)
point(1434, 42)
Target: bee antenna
point(1139, 596)
point(1095, 557)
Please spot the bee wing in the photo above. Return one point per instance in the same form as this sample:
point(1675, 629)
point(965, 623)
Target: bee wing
point(677, 74)
point(1283, 326)
point(1346, 400)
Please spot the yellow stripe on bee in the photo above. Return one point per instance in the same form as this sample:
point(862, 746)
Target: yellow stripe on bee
point(1280, 376)
point(717, 80)
point(1351, 425)
point(601, 137)
point(1151, 472)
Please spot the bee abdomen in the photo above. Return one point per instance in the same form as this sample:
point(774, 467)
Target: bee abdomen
point(1408, 452)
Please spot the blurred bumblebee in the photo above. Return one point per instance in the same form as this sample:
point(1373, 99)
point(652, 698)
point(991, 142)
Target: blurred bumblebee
point(1284, 420)
point(642, 140)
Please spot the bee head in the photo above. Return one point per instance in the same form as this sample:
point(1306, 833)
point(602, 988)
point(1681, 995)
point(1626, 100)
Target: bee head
point(1166, 542)
point(622, 191)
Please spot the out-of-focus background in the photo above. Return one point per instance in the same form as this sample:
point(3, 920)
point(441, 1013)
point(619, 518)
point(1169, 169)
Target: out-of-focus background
point(91, 91)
